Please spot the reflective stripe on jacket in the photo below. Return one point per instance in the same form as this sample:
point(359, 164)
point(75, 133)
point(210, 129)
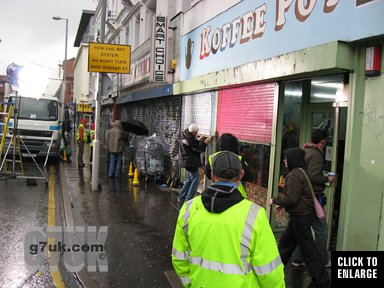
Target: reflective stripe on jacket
point(235, 248)
point(241, 186)
point(84, 134)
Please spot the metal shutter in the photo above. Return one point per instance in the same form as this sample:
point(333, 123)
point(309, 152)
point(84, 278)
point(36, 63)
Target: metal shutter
point(247, 112)
point(200, 109)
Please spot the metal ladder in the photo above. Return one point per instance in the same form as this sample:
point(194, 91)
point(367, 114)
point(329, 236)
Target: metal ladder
point(5, 116)
point(14, 141)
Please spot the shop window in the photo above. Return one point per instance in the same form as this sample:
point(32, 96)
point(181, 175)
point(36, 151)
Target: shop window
point(257, 157)
point(292, 114)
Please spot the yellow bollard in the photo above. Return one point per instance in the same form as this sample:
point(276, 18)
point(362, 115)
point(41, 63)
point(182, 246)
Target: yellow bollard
point(130, 172)
point(136, 178)
point(135, 194)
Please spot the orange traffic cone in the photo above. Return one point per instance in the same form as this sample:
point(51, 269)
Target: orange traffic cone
point(136, 178)
point(130, 172)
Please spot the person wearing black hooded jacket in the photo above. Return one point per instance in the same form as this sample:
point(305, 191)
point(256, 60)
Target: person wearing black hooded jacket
point(189, 158)
point(297, 200)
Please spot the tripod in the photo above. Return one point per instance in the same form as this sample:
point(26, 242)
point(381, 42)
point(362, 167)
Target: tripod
point(15, 141)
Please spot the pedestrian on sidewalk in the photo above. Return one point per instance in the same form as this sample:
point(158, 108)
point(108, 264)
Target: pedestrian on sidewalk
point(229, 142)
point(65, 149)
point(189, 158)
point(297, 200)
point(223, 240)
point(115, 142)
point(67, 129)
point(81, 139)
point(314, 156)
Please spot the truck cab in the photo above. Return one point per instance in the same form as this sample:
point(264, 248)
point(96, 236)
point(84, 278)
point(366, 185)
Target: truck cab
point(38, 125)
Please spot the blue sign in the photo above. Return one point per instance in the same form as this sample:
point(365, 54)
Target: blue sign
point(254, 30)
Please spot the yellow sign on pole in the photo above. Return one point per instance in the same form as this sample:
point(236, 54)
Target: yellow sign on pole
point(84, 108)
point(109, 58)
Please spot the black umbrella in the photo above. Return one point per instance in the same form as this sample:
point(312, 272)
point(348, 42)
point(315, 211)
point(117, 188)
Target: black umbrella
point(135, 126)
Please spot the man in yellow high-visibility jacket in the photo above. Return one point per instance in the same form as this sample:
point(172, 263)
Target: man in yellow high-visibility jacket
point(223, 240)
point(81, 139)
point(229, 142)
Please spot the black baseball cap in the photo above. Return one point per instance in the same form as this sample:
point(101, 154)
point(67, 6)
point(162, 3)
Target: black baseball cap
point(226, 165)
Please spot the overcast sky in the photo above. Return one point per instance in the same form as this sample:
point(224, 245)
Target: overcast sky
point(29, 34)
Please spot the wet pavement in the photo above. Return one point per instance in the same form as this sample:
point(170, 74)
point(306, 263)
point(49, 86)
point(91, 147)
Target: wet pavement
point(140, 221)
point(22, 206)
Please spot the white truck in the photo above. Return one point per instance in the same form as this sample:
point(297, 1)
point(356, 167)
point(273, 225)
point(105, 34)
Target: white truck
point(38, 125)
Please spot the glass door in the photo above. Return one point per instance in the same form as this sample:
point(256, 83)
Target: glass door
point(304, 106)
point(326, 110)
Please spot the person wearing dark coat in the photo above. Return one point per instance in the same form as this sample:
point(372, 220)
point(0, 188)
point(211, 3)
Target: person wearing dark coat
point(297, 200)
point(115, 142)
point(314, 156)
point(189, 158)
point(229, 142)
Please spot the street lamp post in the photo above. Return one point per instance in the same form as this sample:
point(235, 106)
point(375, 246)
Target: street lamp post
point(64, 90)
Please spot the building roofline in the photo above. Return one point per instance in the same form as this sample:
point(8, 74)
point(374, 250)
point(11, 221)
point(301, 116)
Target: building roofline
point(84, 22)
